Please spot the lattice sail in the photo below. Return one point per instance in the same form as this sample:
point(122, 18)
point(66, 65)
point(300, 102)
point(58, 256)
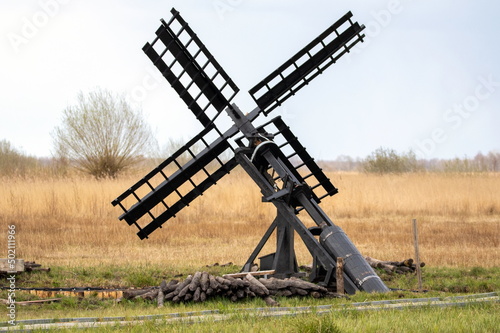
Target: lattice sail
point(297, 159)
point(308, 63)
point(191, 69)
point(176, 182)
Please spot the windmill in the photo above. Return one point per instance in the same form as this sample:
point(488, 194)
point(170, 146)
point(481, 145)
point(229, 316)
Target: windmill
point(270, 153)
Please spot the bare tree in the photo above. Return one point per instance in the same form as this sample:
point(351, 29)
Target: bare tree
point(102, 135)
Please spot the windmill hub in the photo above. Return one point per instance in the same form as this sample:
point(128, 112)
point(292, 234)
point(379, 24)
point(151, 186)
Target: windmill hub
point(270, 153)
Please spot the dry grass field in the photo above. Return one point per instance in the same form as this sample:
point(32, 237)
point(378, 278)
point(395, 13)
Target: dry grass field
point(71, 221)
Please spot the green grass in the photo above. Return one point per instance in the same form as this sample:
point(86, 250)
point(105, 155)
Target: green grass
point(454, 280)
point(449, 280)
point(441, 282)
point(473, 318)
point(106, 276)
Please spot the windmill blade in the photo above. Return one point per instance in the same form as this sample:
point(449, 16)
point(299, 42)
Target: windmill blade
point(173, 185)
point(191, 69)
point(296, 158)
point(308, 63)
point(303, 164)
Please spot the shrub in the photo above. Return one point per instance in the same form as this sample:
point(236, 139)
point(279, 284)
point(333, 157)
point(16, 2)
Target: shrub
point(384, 160)
point(102, 135)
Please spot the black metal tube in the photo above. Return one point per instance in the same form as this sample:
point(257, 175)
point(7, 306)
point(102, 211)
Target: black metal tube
point(337, 244)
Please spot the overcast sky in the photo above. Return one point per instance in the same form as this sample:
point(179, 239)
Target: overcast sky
point(427, 78)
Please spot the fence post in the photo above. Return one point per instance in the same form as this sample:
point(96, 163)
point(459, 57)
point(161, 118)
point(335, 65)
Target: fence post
point(417, 254)
point(340, 275)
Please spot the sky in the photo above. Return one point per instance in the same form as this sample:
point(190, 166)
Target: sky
point(427, 77)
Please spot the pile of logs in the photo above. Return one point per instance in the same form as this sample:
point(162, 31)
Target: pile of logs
point(201, 286)
point(31, 266)
point(390, 267)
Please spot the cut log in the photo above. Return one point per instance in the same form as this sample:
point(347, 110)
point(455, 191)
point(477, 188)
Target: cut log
point(184, 291)
point(256, 286)
point(404, 269)
point(270, 301)
point(170, 296)
point(195, 282)
point(274, 283)
point(407, 262)
point(182, 285)
point(238, 283)
point(131, 293)
point(316, 294)
point(204, 281)
point(223, 283)
point(240, 293)
point(375, 263)
point(213, 282)
point(161, 297)
point(163, 285)
point(250, 293)
point(298, 283)
point(298, 291)
point(196, 295)
point(171, 286)
point(284, 293)
point(150, 295)
point(400, 267)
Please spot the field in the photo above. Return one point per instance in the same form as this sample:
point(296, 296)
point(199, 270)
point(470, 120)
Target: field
point(69, 224)
point(71, 221)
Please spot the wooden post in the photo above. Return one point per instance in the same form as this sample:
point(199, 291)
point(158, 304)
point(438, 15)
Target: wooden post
point(340, 275)
point(417, 254)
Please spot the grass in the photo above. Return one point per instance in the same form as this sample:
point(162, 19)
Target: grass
point(70, 226)
point(71, 221)
point(439, 279)
point(442, 282)
point(439, 282)
point(471, 318)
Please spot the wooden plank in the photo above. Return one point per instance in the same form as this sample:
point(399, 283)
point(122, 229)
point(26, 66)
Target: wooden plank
point(340, 276)
point(243, 274)
point(39, 301)
point(417, 254)
point(103, 294)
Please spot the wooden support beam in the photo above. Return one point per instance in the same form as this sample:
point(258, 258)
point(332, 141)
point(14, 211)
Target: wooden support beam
point(340, 276)
point(243, 274)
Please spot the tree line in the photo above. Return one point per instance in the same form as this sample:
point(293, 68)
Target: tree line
point(386, 160)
